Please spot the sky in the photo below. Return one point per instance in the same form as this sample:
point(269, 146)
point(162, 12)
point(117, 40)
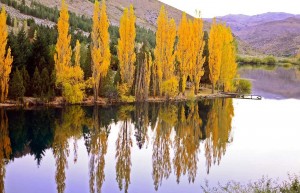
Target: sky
point(212, 8)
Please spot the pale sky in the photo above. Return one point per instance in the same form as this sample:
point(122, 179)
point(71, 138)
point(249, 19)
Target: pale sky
point(212, 8)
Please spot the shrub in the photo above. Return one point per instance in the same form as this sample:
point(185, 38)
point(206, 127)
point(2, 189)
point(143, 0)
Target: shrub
point(124, 93)
point(170, 87)
point(244, 86)
point(73, 93)
point(269, 60)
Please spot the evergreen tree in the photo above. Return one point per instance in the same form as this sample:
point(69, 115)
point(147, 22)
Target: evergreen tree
point(40, 56)
point(17, 88)
point(36, 83)
point(26, 81)
point(21, 50)
point(45, 83)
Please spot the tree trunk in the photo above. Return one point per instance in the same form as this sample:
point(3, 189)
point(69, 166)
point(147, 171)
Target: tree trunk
point(96, 91)
point(213, 88)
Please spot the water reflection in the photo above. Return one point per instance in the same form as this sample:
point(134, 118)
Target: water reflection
point(98, 148)
point(218, 131)
point(68, 125)
point(123, 147)
point(174, 132)
point(279, 83)
point(5, 146)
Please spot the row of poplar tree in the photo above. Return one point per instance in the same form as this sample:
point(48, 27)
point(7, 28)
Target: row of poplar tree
point(177, 58)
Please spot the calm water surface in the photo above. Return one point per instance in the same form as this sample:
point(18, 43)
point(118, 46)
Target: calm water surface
point(148, 147)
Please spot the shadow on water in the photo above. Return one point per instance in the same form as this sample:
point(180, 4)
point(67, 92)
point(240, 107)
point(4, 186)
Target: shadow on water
point(177, 129)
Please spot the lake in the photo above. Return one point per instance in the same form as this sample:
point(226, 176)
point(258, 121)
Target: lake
point(152, 147)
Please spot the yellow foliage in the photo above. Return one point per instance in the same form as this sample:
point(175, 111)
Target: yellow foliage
point(100, 45)
point(77, 53)
point(124, 93)
point(215, 45)
point(89, 83)
point(170, 87)
point(63, 49)
point(183, 52)
point(69, 77)
point(5, 57)
point(196, 70)
point(229, 65)
point(164, 64)
point(126, 43)
point(73, 93)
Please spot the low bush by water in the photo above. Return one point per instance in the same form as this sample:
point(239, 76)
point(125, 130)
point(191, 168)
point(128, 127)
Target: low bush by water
point(244, 86)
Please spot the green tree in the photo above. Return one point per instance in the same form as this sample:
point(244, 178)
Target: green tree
point(17, 88)
point(21, 50)
point(45, 83)
point(36, 83)
point(26, 81)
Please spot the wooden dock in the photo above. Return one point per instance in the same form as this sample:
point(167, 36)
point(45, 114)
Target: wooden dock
point(242, 96)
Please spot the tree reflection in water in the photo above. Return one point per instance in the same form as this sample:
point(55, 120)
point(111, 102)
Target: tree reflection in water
point(174, 131)
point(161, 161)
point(5, 146)
point(187, 141)
point(99, 135)
point(68, 125)
point(218, 130)
point(123, 147)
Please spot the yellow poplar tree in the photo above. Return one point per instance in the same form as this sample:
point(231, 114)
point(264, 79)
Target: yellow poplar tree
point(164, 50)
point(196, 70)
point(63, 49)
point(215, 44)
point(68, 77)
point(100, 46)
point(183, 52)
point(5, 57)
point(229, 65)
point(126, 54)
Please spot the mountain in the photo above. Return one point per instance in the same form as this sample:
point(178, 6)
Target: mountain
point(270, 33)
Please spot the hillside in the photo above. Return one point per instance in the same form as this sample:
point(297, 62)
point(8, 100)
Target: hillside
point(146, 10)
point(270, 33)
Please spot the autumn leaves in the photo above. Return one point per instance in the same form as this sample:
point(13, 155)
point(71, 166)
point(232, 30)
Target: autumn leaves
point(222, 56)
point(68, 77)
point(100, 46)
point(5, 58)
point(165, 71)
